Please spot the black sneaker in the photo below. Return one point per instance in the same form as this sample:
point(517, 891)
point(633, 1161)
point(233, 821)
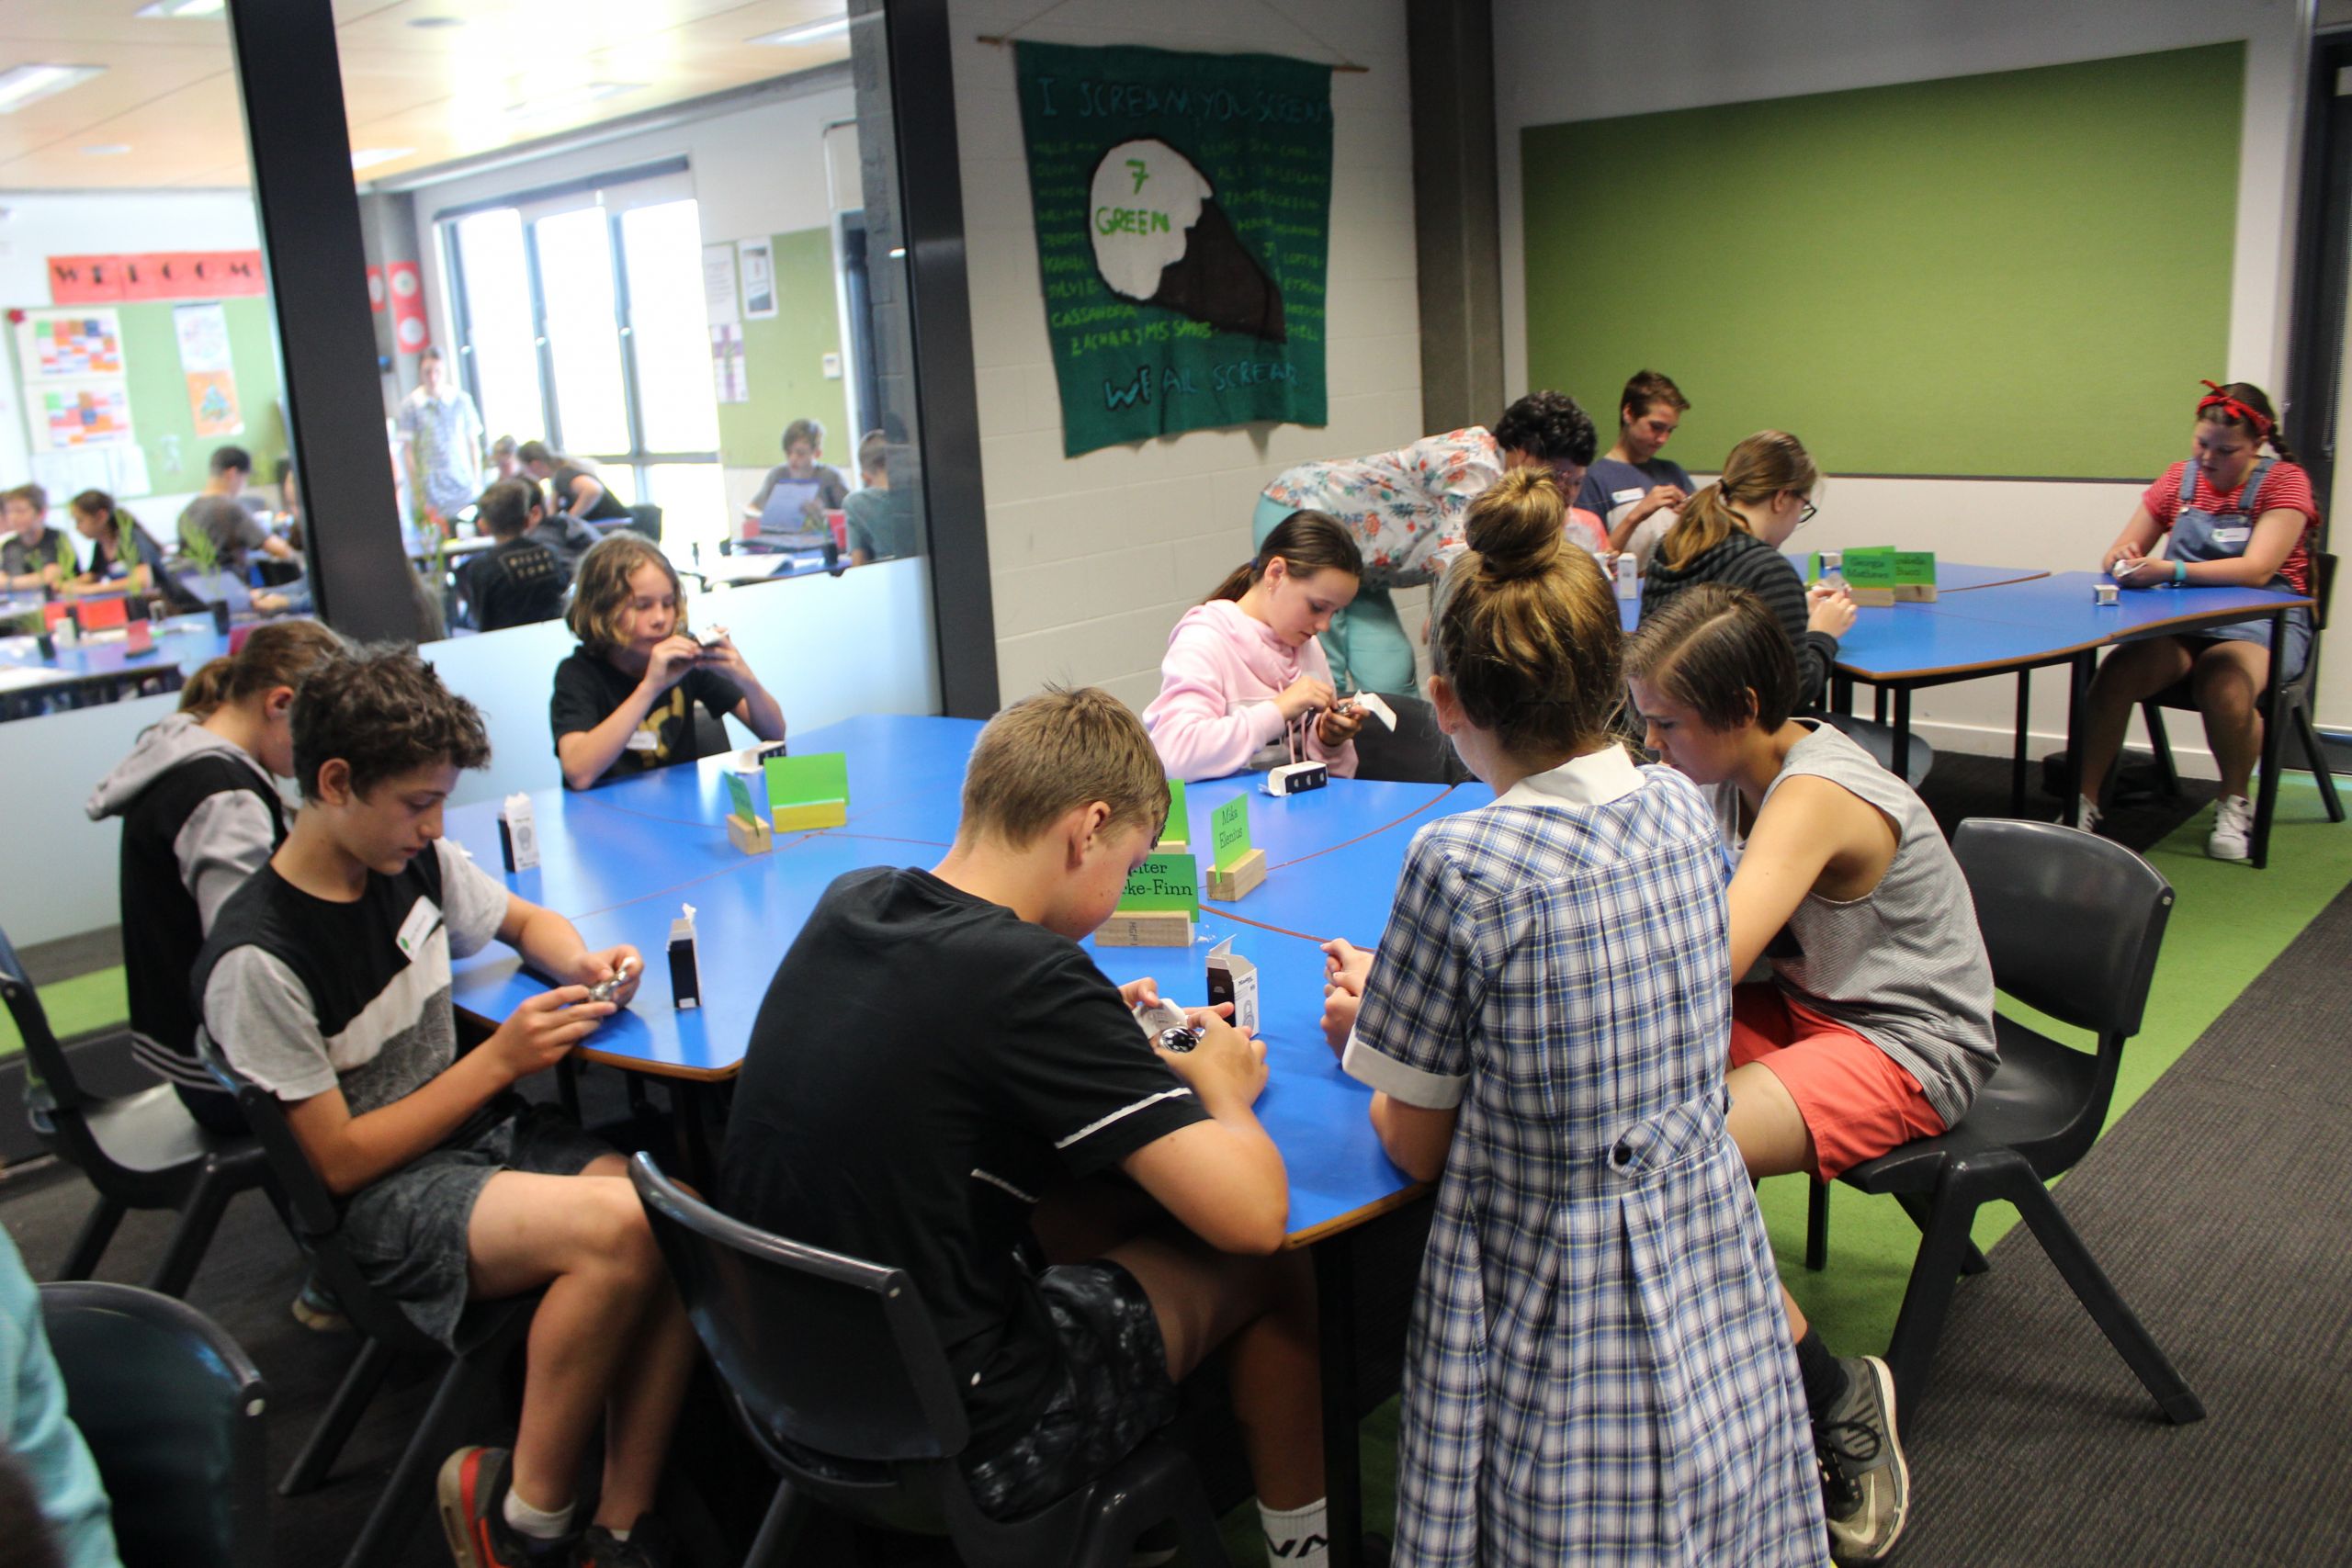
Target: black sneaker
point(473, 1514)
point(649, 1545)
point(1865, 1485)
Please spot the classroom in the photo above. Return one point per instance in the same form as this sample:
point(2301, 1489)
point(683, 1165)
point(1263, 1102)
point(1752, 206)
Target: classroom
point(747, 502)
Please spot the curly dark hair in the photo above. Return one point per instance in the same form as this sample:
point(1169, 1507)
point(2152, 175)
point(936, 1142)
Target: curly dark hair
point(1549, 427)
point(385, 712)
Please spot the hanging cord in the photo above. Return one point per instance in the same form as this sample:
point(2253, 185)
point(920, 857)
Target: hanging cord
point(1339, 60)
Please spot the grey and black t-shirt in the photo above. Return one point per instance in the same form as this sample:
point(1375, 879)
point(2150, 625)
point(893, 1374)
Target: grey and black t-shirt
point(304, 995)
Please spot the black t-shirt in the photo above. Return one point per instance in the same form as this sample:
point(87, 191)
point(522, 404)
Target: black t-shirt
point(608, 505)
point(925, 1066)
point(587, 689)
point(514, 584)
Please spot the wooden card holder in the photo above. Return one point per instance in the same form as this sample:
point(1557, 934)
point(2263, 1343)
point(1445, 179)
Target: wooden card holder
point(749, 834)
point(1247, 873)
point(1145, 928)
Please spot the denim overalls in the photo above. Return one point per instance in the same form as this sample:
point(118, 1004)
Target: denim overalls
point(2223, 535)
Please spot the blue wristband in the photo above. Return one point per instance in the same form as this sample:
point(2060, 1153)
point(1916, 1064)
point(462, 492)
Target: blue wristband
point(2179, 572)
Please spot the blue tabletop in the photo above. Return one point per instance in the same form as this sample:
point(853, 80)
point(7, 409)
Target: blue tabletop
point(620, 861)
point(186, 641)
point(2065, 606)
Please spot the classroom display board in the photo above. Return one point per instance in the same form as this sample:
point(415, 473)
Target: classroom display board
point(776, 360)
point(1184, 206)
point(2019, 274)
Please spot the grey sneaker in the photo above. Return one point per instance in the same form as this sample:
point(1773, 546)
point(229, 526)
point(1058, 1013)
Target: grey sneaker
point(1865, 1485)
point(2232, 826)
point(2087, 814)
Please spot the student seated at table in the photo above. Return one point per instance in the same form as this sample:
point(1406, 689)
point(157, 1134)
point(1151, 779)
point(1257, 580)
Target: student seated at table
point(222, 520)
point(1731, 533)
point(1635, 491)
point(1245, 682)
point(1518, 1063)
point(201, 813)
point(2231, 516)
point(575, 489)
point(1876, 1027)
point(519, 581)
point(798, 491)
point(32, 554)
point(881, 516)
point(625, 698)
point(124, 557)
point(326, 982)
point(938, 1064)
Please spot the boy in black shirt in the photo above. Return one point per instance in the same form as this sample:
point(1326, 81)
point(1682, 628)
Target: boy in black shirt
point(937, 1056)
point(519, 581)
point(325, 980)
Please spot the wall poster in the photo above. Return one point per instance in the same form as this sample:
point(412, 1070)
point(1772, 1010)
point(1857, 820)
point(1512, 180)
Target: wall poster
point(1184, 222)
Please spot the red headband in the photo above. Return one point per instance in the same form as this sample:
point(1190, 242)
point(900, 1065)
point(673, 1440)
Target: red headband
point(2236, 410)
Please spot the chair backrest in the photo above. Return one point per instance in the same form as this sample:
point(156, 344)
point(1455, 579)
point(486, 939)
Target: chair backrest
point(57, 1089)
point(2072, 921)
point(172, 1409)
point(645, 518)
point(2322, 591)
point(827, 1352)
point(310, 1208)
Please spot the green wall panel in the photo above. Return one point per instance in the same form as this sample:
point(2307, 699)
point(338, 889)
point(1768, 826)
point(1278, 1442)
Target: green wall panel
point(784, 362)
point(2018, 273)
point(160, 417)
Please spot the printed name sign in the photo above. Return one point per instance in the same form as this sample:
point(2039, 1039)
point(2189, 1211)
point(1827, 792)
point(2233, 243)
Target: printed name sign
point(1229, 832)
point(1164, 882)
point(807, 792)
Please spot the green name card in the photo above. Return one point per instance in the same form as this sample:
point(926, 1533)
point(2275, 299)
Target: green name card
point(1180, 817)
point(1164, 882)
point(1230, 831)
point(739, 798)
point(806, 781)
point(1915, 569)
point(1813, 567)
point(1869, 569)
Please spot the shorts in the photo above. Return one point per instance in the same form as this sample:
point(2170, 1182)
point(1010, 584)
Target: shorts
point(407, 1232)
point(1858, 1102)
point(1114, 1393)
point(2298, 639)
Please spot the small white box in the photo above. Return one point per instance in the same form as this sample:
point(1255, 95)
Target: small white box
point(1233, 978)
point(518, 835)
point(1293, 778)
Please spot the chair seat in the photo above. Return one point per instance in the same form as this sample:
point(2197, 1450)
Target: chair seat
point(2033, 1101)
point(150, 1135)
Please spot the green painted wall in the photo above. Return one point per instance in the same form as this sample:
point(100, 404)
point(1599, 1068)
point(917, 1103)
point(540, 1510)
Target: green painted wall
point(784, 362)
point(2024, 273)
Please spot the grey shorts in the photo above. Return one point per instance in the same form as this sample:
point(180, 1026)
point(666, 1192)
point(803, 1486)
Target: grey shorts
point(2299, 638)
point(407, 1232)
point(1114, 1393)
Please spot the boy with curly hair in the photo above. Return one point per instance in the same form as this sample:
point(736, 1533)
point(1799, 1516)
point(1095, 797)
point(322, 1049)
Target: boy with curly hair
point(326, 981)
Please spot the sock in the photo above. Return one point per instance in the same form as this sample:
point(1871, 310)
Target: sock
point(1296, 1535)
point(539, 1524)
point(1824, 1380)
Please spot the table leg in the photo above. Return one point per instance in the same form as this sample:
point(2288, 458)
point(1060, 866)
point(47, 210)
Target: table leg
point(689, 1105)
point(2016, 756)
point(2273, 748)
point(1878, 701)
point(1902, 728)
point(2078, 690)
point(1335, 1315)
point(1841, 693)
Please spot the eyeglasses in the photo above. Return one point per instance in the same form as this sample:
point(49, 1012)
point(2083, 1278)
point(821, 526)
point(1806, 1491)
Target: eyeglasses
point(1806, 515)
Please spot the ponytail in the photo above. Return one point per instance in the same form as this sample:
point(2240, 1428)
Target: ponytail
point(1309, 541)
point(280, 653)
point(1769, 463)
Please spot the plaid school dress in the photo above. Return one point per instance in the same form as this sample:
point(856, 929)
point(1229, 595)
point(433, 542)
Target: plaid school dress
point(1599, 1369)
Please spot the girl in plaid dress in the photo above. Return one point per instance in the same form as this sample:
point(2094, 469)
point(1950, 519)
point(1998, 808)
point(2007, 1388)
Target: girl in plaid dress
point(1598, 1369)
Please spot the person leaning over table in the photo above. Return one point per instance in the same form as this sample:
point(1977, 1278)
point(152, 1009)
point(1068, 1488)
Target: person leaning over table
point(2228, 516)
point(1405, 509)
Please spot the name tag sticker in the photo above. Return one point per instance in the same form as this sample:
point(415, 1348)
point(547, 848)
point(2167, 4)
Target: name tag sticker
point(2237, 535)
point(424, 919)
point(1617, 496)
point(645, 740)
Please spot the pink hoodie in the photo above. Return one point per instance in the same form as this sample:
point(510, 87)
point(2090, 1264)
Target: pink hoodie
point(1216, 710)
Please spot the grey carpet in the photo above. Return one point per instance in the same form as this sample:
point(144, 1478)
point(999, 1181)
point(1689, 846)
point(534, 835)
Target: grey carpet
point(2217, 1205)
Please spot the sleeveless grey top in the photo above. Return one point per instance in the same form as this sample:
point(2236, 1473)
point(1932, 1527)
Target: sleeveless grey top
point(1904, 965)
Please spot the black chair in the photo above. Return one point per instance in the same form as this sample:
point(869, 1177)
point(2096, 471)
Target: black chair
point(488, 1334)
point(860, 1379)
point(172, 1409)
point(2072, 923)
point(141, 1151)
point(2292, 711)
point(1878, 739)
point(646, 518)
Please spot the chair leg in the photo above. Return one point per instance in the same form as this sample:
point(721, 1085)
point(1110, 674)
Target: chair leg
point(1927, 1300)
point(316, 1461)
point(2316, 756)
point(780, 1528)
point(2100, 1299)
point(1817, 1225)
point(403, 1501)
point(1916, 1205)
point(2168, 776)
point(191, 1235)
point(90, 1242)
point(1197, 1531)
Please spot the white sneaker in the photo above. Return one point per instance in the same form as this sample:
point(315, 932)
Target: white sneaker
point(2086, 814)
point(2232, 824)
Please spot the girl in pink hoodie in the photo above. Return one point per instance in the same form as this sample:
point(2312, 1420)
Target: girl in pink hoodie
point(1243, 666)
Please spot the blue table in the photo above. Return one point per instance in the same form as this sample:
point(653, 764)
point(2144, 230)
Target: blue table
point(619, 861)
point(1951, 577)
point(101, 666)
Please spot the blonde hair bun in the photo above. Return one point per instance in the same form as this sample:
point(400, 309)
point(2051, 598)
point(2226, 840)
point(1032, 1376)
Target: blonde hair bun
point(1517, 525)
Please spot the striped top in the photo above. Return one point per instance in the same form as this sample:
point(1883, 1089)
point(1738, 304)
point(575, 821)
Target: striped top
point(1904, 965)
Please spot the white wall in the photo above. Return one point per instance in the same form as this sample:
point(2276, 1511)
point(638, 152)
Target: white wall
point(1570, 60)
point(1092, 558)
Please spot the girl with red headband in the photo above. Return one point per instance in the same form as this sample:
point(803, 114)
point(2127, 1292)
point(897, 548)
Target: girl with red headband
point(2229, 516)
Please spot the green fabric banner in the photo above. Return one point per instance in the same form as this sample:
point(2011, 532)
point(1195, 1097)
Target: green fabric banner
point(1184, 208)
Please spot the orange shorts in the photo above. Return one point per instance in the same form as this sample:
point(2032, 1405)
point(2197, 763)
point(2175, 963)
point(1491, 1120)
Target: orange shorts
point(1857, 1102)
